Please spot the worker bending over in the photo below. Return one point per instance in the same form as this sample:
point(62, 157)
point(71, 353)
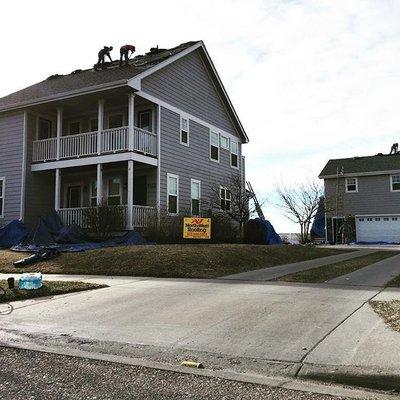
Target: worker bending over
point(124, 54)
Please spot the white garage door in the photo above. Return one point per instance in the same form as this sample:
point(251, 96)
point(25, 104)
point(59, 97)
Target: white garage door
point(378, 228)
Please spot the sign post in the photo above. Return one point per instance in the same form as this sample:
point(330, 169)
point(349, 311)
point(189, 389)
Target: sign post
point(196, 228)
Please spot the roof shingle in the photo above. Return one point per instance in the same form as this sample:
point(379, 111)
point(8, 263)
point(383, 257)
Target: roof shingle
point(366, 164)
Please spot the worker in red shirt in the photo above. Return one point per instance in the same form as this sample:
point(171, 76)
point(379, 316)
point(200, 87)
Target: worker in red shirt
point(124, 53)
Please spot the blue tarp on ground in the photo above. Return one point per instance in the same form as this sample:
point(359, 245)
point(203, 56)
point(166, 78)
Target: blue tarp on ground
point(129, 239)
point(318, 226)
point(13, 233)
point(262, 232)
point(50, 233)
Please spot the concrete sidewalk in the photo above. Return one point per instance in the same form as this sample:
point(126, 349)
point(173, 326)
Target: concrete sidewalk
point(271, 273)
point(377, 274)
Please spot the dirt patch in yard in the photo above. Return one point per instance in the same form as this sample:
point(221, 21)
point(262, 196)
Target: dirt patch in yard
point(170, 261)
point(389, 311)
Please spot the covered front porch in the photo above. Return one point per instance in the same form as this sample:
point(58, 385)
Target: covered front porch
point(128, 185)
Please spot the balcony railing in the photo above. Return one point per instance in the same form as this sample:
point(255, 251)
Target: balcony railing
point(75, 216)
point(86, 144)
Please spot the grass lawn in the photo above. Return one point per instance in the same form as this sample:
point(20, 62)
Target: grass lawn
point(389, 311)
point(48, 289)
point(171, 261)
point(327, 272)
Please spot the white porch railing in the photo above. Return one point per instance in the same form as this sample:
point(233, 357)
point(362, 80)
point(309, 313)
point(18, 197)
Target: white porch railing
point(113, 140)
point(141, 215)
point(75, 216)
point(44, 150)
point(145, 141)
point(85, 144)
point(72, 216)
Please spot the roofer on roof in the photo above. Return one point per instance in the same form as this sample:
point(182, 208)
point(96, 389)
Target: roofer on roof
point(105, 51)
point(124, 53)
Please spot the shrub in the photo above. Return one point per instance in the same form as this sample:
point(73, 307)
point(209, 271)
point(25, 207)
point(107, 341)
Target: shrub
point(104, 220)
point(254, 233)
point(223, 229)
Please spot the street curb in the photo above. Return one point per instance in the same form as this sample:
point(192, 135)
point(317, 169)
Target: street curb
point(287, 382)
point(370, 378)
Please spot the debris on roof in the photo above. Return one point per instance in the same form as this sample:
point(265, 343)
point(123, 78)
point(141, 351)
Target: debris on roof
point(77, 71)
point(55, 76)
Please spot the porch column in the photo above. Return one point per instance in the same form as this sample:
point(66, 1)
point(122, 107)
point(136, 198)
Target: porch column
point(57, 190)
point(131, 120)
point(130, 195)
point(99, 184)
point(59, 130)
point(100, 122)
point(158, 193)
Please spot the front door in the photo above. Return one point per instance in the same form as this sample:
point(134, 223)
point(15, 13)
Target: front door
point(145, 120)
point(140, 190)
point(74, 197)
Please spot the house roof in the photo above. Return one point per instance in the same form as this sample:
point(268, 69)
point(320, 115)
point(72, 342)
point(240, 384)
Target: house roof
point(57, 85)
point(362, 165)
point(87, 81)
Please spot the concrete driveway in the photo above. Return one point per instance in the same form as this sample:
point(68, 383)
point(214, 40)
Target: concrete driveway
point(262, 327)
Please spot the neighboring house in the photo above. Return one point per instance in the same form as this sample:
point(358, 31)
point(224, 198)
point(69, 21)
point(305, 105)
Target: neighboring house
point(158, 134)
point(367, 189)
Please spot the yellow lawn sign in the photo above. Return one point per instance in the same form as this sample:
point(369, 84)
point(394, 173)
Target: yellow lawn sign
point(196, 228)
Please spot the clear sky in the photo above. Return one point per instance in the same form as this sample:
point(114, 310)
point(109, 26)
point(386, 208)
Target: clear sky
point(310, 80)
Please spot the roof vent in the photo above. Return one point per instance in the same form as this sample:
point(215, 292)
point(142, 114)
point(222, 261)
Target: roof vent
point(380, 154)
point(77, 71)
point(55, 76)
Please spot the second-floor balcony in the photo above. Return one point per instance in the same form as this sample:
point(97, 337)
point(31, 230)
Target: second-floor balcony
point(106, 141)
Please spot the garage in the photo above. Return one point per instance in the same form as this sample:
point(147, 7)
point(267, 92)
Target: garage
point(378, 228)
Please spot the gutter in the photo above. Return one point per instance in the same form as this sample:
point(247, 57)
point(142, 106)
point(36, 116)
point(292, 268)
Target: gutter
point(66, 95)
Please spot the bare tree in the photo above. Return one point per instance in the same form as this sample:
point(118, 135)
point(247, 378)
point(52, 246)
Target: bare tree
point(233, 200)
point(300, 205)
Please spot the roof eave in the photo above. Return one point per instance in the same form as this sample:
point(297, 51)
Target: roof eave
point(66, 95)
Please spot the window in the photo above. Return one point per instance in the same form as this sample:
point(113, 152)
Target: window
point(173, 193)
point(184, 131)
point(214, 146)
point(145, 120)
point(361, 219)
point(395, 183)
point(224, 142)
point(234, 154)
point(2, 195)
point(44, 129)
point(394, 219)
point(377, 219)
point(94, 125)
point(195, 196)
point(74, 127)
point(115, 121)
point(114, 192)
point(351, 185)
point(225, 196)
point(369, 219)
point(93, 193)
point(386, 219)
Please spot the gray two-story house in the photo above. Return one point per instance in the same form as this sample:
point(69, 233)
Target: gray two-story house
point(158, 134)
point(366, 189)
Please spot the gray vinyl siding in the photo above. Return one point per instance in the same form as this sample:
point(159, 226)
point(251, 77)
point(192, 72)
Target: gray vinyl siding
point(191, 162)
point(39, 186)
point(187, 85)
point(373, 196)
point(11, 155)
